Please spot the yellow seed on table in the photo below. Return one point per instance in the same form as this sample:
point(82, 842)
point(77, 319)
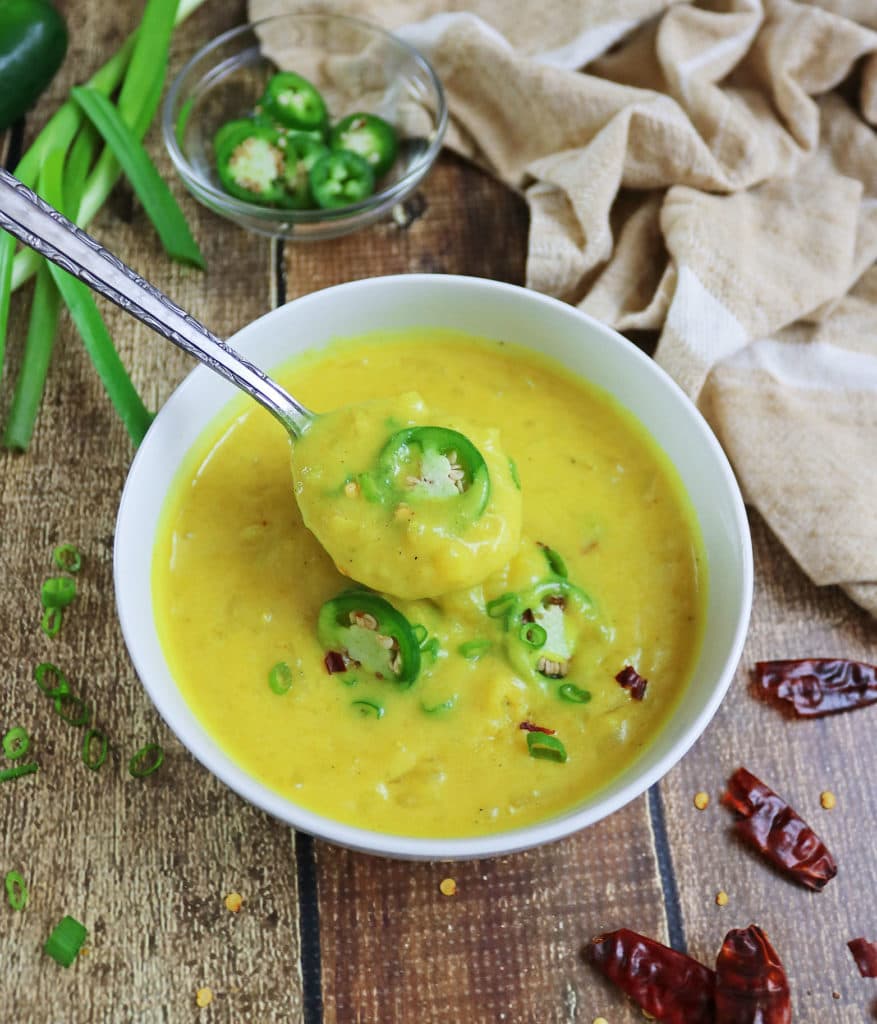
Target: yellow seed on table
point(233, 902)
point(599, 1020)
point(204, 997)
point(448, 887)
point(701, 800)
point(721, 898)
point(828, 800)
point(648, 1016)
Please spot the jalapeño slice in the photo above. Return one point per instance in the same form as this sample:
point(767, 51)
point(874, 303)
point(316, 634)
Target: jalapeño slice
point(368, 630)
point(294, 102)
point(369, 136)
point(435, 464)
point(544, 629)
point(250, 162)
point(339, 179)
point(302, 152)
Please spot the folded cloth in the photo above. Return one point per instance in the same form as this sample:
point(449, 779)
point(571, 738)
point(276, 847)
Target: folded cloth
point(708, 170)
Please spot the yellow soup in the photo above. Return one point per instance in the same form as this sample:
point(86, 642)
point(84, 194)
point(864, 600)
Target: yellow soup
point(609, 575)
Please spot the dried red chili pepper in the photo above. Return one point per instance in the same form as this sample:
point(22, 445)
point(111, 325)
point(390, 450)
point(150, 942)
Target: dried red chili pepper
point(531, 727)
point(865, 955)
point(668, 985)
point(819, 686)
point(335, 662)
point(751, 984)
point(768, 823)
point(631, 680)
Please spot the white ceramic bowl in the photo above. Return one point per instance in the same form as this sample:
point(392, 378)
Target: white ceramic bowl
point(489, 309)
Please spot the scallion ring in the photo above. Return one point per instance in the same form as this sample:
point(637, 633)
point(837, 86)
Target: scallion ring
point(280, 678)
point(472, 650)
point(16, 890)
point(80, 714)
point(67, 558)
point(369, 708)
point(500, 606)
point(18, 770)
point(555, 563)
point(58, 592)
point(446, 705)
point(545, 748)
point(431, 648)
point(65, 941)
point(533, 635)
point(57, 685)
point(147, 760)
point(16, 743)
point(94, 762)
point(51, 621)
point(574, 694)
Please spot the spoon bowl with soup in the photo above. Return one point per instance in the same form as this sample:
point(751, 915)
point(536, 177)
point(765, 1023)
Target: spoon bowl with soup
point(403, 500)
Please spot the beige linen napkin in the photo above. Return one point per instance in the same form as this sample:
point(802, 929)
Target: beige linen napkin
point(708, 170)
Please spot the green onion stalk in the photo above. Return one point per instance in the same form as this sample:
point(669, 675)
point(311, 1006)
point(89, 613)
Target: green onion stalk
point(65, 160)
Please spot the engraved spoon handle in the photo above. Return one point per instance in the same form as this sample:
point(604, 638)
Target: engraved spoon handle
point(41, 227)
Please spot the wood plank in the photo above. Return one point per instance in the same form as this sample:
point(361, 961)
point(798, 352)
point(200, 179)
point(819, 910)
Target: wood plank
point(144, 864)
point(799, 759)
point(507, 947)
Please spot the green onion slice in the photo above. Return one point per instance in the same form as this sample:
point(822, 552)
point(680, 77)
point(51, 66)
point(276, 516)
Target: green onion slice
point(51, 621)
point(446, 705)
point(66, 940)
point(78, 714)
point(555, 563)
point(545, 748)
point(420, 634)
point(513, 469)
point(574, 694)
point(58, 592)
point(87, 741)
point(16, 743)
point(500, 606)
point(56, 685)
point(432, 647)
point(280, 678)
point(16, 890)
point(18, 770)
point(67, 558)
point(147, 760)
point(369, 708)
point(533, 635)
point(474, 649)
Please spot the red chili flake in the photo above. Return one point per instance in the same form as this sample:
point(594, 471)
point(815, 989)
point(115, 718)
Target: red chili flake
point(751, 984)
point(768, 823)
point(560, 602)
point(819, 686)
point(530, 727)
point(865, 955)
point(631, 680)
point(668, 985)
point(527, 615)
point(335, 662)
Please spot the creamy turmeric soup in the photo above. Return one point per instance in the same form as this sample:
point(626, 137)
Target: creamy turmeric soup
point(481, 710)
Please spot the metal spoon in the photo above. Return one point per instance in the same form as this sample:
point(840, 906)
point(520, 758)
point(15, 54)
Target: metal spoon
point(41, 227)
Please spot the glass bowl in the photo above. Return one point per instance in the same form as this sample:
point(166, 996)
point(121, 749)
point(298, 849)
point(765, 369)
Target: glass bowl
point(354, 64)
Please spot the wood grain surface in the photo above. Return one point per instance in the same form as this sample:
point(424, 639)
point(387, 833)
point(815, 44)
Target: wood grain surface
point(325, 934)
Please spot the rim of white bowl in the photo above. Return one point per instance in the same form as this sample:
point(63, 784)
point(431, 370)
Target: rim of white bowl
point(197, 741)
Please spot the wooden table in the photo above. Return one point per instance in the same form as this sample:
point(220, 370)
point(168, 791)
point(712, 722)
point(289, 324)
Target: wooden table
point(324, 934)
